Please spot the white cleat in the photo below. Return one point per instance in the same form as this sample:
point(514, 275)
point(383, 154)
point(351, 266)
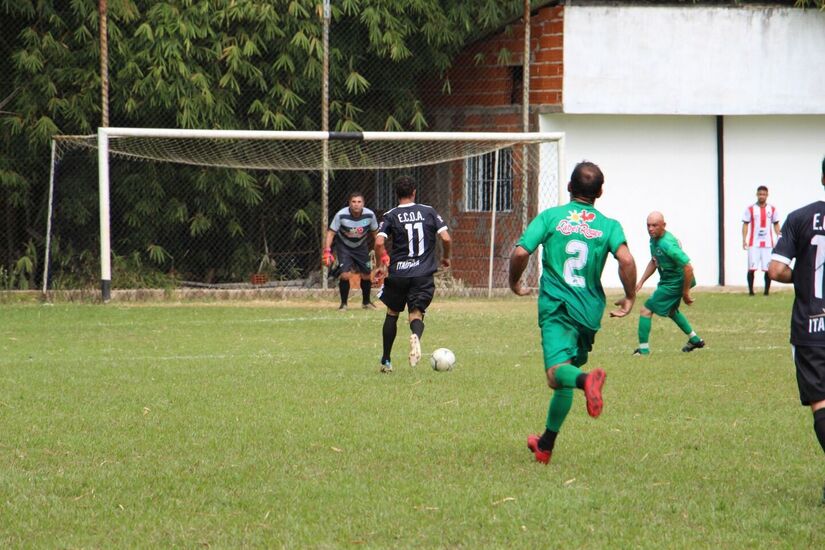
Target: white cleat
point(415, 350)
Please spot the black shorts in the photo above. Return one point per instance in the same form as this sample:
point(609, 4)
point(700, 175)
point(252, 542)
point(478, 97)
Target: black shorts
point(412, 292)
point(353, 259)
point(810, 373)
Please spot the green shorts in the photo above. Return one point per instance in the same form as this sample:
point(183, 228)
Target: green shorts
point(563, 339)
point(664, 300)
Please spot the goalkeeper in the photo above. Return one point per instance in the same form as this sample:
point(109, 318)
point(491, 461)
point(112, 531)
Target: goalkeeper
point(675, 281)
point(349, 229)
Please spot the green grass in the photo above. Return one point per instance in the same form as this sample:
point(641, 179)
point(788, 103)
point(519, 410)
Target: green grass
point(228, 425)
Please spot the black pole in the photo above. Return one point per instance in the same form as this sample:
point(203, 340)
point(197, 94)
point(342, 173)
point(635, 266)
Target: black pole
point(720, 192)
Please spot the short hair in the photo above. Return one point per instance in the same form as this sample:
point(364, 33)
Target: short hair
point(761, 188)
point(404, 187)
point(823, 167)
point(586, 180)
point(354, 194)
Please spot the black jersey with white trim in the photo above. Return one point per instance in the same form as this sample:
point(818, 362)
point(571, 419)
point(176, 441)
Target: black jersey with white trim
point(803, 239)
point(412, 230)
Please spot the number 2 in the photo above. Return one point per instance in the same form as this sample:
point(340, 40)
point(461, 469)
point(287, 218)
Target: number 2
point(578, 251)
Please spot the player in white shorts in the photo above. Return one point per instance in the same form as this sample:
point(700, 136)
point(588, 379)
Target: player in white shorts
point(760, 223)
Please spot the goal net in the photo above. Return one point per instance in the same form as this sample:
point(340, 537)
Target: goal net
point(147, 208)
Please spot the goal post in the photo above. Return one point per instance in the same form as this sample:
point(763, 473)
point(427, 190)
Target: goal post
point(469, 189)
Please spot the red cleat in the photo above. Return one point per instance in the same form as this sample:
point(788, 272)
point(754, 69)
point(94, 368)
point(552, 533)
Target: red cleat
point(533, 445)
point(593, 392)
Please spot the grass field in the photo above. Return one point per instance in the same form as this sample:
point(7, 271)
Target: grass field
point(226, 425)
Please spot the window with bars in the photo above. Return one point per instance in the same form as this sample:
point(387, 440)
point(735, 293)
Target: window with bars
point(478, 182)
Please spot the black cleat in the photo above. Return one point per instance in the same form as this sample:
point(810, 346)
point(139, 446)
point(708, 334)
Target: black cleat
point(690, 346)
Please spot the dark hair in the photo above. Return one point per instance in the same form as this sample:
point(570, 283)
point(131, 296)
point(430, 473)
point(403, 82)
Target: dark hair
point(586, 181)
point(823, 167)
point(761, 188)
point(404, 187)
point(354, 194)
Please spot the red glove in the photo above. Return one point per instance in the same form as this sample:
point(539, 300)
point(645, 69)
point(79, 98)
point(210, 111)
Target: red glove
point(327, 258)
point(385, 259)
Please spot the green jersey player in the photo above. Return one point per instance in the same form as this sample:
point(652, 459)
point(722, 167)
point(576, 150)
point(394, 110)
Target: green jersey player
point(576, 239)
point(675, 281)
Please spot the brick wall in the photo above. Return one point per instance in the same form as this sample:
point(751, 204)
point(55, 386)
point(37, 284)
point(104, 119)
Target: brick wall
point(486, 96)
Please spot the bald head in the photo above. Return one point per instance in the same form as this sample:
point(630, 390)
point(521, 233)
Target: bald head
point(655, 225)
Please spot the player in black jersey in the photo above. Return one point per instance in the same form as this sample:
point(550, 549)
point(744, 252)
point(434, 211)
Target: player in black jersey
point(803, 238)
point(409, 266)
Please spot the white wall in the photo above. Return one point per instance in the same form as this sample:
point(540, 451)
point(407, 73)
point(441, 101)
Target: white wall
point(783, 153)
point(693, 60)
point(668, 163)
point(665, 163)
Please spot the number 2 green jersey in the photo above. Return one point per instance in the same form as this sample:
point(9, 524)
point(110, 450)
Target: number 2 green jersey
point(576, 239)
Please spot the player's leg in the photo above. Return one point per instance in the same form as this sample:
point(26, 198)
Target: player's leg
point(645, 322)
point(810, 379)
point(565, 345)
point(346, 266)
point(393, 295)
point(366, 286)
point(752, 267)
point(419, 297)
point(660, 303)
point(765, 260)
point(361, 264)
point(694, 341)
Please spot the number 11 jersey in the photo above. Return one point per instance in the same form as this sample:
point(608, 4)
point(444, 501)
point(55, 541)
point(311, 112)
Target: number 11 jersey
point(412, 228)
point(803, 238)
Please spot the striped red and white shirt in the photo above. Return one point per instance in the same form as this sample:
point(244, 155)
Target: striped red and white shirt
point(760, 220)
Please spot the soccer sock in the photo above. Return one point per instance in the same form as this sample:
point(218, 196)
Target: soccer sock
point(548, 440)
point(750, 282)
point(389, 332)
point(682, 322)
point(560, 405)
point(644, 331)
point(767, 283)
point(819, 427)
point(566, 376)
point(365, 290)
point(417, 327)
point(343, 286)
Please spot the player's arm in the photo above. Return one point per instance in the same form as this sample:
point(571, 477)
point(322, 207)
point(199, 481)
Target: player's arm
point(627, 275)
point(688, 272)
point(780, 272)
point(776, 229)
point(649, 269)
point(518, 263)
point(446, 247)
point(745, 235)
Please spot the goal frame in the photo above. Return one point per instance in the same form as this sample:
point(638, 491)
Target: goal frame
point(103, 152)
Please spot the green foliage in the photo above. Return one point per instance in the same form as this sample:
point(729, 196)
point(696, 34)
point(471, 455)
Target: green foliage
point(202, 64)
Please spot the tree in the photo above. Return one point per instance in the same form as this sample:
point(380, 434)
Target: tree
point(204, 64)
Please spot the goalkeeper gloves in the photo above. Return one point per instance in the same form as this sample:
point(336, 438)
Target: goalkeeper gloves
point(327, 258)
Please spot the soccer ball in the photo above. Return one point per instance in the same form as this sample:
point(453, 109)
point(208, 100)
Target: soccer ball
point(442, 360)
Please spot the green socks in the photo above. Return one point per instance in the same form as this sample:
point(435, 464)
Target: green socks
point(560, 405)
point(683, 324)
point(644, 329)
